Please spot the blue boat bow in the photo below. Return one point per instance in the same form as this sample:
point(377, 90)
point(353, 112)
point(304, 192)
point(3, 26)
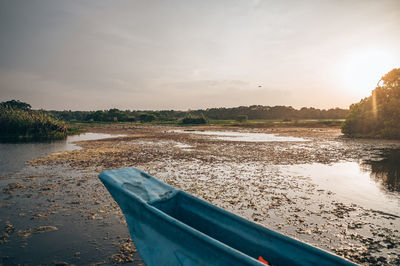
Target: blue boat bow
point(171, 227)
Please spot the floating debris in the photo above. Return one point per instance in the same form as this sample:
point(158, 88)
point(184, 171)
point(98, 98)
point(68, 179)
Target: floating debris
point(25, 233)
point(125, 252)
point(44, 229)
point(247, 178)
point(13, 187)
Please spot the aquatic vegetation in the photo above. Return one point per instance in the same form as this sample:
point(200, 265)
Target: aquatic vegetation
point(24, 125)
point(242, 136)
point(253, 179)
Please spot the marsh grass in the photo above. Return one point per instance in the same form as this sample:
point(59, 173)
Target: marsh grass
point(28, 125)
point(75, 129)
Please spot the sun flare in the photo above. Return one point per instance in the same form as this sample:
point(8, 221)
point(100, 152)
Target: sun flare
point(362, 69)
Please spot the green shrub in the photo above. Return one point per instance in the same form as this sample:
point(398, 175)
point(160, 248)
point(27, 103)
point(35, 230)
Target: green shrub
point(198, 120)
point(147, 117)
point(16, 104)
point(18, 124)
point(242, 118)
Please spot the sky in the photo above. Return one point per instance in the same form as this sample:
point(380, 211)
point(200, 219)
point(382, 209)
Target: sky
point(162, 55)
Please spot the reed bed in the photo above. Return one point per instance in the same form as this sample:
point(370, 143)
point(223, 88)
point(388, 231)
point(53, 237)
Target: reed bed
point(27, 125)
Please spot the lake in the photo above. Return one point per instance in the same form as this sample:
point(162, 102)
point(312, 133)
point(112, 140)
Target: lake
point(241, 136)
point(13, 156)
point(338, 194)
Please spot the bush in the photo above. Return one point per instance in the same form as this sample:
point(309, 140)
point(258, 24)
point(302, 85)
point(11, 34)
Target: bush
point(147, 118)
point(16, 104)
point(194, 120)
point(17, 124)
point(241, 118)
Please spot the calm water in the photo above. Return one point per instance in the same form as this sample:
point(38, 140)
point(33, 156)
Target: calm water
point(243, 136)
point(372, 184)
point(13, 156)
point(387, 169)
point(89, 228)
point(57, 196)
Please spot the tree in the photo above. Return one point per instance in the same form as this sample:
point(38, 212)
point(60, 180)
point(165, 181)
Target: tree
point(147, 117)
point(379, 114)
point(194, 119)
point(241, 118)
point(16, 104)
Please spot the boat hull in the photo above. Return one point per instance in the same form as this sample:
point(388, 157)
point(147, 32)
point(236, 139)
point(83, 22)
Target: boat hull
point(171, 227)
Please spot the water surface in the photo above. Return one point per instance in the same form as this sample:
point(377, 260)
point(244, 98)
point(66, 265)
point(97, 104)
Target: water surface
point(386, 169)
point(13, 156)
point(372, 184)
point(243, 136)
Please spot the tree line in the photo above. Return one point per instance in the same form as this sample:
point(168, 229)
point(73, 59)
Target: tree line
point(252, 112)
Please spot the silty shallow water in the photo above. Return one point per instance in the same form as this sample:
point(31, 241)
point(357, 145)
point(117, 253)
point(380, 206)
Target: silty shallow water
point(351, 182)
point(13, 156)
point(242, 136)
point(267, 182)
point(57, 214)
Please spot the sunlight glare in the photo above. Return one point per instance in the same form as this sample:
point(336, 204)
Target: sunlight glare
point(362, 69)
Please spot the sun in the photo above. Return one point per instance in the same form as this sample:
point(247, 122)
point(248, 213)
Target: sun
point(362, 69)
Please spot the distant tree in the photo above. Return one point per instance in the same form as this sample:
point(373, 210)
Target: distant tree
point(241, 118)
point(379, 114)
point(147, 117)
point(194, 119)
point(97, 116)
point(131, 118)
point(16, 104)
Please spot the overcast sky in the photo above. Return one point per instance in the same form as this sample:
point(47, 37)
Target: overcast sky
point(89, 55)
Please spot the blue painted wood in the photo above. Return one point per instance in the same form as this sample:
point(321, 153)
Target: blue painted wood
point(171, 227)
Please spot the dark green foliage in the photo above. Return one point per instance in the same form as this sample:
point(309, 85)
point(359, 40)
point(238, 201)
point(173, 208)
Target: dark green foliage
point(112, 115)
point(241, 118)
point(379, 114)
point(147, 117)
point(75, 130)
point(197, 120)
point(18, 124)
point(252, 112)
point(16, 104)
point(274, 112)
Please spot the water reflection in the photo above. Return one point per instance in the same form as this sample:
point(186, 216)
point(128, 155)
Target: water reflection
point(356, 182)
point(13, 156)
point(387, 169)
point(242, 136)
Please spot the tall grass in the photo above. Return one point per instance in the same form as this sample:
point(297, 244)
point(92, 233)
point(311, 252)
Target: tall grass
point(23, 125)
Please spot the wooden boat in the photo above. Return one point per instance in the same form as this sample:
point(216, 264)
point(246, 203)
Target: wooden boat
point(171, 227)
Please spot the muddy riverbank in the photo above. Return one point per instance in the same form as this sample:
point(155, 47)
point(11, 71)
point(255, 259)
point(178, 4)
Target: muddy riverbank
point(59, 195)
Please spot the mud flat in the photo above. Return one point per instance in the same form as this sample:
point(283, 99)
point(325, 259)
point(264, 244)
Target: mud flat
point(269, 182)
